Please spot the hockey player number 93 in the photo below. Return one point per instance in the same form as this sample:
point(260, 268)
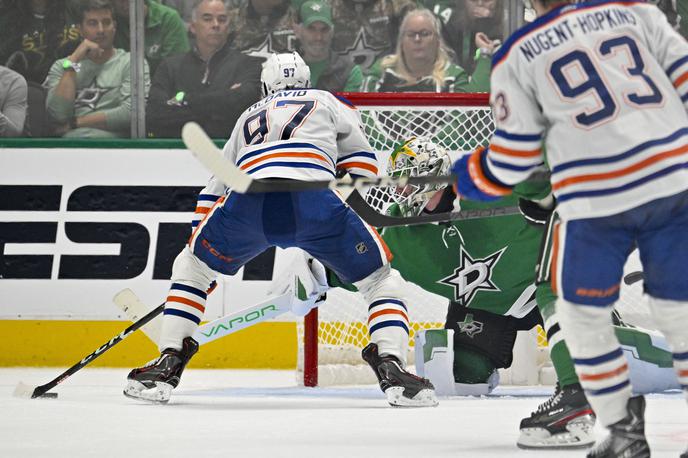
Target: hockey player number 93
point(595, 82)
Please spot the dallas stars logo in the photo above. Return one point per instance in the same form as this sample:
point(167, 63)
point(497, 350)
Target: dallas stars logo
point(361, 52)
point(472, 275)
point(470, 326)
point(90, 96)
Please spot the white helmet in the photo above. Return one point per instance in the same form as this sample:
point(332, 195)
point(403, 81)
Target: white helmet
point(417, 157)
point(284, 71)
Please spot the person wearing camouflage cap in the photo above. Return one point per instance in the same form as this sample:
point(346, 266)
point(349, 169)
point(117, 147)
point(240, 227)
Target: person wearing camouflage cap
point(314, 31)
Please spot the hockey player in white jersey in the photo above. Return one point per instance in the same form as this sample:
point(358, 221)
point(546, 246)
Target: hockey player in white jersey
point(293, 133)
point(602, 87)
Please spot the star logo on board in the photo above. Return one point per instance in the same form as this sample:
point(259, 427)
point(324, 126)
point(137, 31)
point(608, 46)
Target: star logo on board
point(362, 53)
point(470, 326)
point(472, 275)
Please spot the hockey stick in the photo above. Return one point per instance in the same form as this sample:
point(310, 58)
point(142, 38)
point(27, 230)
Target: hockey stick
point(212, 158)
point(132, 306)
point(372, 217)
point(30, 392)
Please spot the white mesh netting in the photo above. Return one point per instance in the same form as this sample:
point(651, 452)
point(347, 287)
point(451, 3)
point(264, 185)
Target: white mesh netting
point(458, 122)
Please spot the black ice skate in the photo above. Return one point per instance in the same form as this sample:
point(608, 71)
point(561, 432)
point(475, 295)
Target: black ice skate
point(565, 420)
point(402, 388)
point(154, 381)
point(627, 436)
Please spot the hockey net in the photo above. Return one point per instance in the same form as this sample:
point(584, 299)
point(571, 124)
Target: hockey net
point(332, 336)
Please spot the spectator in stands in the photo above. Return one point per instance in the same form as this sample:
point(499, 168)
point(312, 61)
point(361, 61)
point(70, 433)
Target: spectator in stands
point(212, 84)
point(472, 26)
point(165, 32)
point(421, 62)
point(366, 30)
point(13, 106)
point(314, 31)
point(34, 33)
point(90, 92)
point(183, 7)
point(262, 27)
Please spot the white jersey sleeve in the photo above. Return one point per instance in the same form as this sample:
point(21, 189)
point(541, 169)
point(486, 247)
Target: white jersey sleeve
point(354, 153)
point(603, 85)
point(669, 48)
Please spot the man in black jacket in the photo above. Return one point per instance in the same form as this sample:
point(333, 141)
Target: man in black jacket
point(211, 84)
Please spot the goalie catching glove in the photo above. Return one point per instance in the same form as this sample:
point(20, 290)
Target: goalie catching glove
point(307, 280)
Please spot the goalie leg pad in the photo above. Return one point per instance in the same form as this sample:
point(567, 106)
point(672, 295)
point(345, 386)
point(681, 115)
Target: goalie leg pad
point(435, 360)
point(388, 321)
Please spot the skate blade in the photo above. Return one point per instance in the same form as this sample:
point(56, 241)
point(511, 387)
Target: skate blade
point(578, 434)
point(424, 398)
point(160, 394)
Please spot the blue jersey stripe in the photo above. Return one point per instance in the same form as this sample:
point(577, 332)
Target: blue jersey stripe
point(673, 67)
point(258, 152)
point(517, 137)
point(626, 187)
point(680, 356)
point(684, 97)
point(388, 301)
point(182, 314)
point(298, 165)
point(188, 289)
point(515, 168)
point(207, 197)
point(626, 154)
point(358, 154)
point(599, 359)
point(386, 324)
point(610, 389)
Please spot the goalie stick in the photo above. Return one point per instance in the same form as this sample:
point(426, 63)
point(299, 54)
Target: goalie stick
point(132, 306)
point(212, 158)
point(31, 392)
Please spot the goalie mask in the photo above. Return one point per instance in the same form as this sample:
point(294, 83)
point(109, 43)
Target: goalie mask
point(284, 71)
point(417, 157)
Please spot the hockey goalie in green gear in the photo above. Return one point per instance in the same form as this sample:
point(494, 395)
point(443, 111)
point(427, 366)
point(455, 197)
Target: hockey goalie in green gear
point(486, 268)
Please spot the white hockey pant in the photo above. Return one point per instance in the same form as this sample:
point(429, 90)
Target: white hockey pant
point(671, 318)
point(191, 272)
point(598, 358)
point(388, 322)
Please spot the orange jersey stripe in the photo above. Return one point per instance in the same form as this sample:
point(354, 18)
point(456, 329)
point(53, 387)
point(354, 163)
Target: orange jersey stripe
point(515, 152)
point(475, 170)
point(388, 253)
point(683, 373)
point(360, 165)
point(189, 302)
point(625, 171)
point(200, 224)
point(555, 257)
point(604, 375)
point(203, 210)
point(680, 80)
point(274, 155)
point(387, 312)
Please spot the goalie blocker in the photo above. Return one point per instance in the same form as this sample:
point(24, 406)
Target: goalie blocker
point(463, 358)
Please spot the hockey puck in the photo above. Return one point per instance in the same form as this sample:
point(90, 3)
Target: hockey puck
point(48, 396)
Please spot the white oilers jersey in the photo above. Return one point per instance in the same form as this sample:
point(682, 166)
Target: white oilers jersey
point(605, 85)
point(301, 134)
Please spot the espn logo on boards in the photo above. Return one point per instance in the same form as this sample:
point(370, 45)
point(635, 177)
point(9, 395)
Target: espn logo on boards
point(133, 238)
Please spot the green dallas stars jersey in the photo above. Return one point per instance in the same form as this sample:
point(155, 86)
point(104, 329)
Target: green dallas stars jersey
point(486, 264)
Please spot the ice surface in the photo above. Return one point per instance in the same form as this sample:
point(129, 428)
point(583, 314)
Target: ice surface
point(222, 413)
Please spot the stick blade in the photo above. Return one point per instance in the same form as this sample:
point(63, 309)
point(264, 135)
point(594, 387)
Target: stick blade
point(212, 159)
